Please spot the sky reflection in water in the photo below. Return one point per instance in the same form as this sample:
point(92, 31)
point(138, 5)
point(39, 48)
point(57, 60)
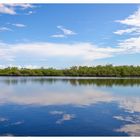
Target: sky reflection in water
point(37, 106)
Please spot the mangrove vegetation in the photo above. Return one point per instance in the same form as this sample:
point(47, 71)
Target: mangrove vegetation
point(93, 71)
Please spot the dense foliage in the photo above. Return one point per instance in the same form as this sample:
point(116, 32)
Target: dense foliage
point(94, 71)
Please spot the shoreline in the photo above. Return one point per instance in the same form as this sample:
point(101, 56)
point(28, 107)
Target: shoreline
point(71, 77)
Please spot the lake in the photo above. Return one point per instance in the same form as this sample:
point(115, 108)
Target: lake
point(69, 106)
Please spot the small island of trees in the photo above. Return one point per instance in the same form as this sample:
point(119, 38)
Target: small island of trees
point(92, 71)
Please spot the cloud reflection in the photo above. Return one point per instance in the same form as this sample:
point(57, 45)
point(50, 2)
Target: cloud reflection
point(56, 112)
point(86, 96)
point(133, 124)
point(17, 123)
point(8, 135)
point(64, 116)
point(131, 129)
point(132, 119)
point(2, 119)
point(64, 93)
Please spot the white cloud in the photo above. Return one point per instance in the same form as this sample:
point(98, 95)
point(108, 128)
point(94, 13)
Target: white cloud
point(22, 5)
point(11, 8)
point(66, 32)
point(4, 53)
point(86, 52)
point(43, 50)
point(19, 25)
point(133, 23)
point(7, 10)
point(58, 36)
point(130, 30)
point(19, 66)
point(131, 45)
point(132, 20)
point(29, 13)
point(2, 29)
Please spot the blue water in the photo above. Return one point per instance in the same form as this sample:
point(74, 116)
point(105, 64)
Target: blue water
point(52, 106)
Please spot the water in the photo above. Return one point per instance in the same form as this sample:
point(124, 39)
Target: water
point(52, 106)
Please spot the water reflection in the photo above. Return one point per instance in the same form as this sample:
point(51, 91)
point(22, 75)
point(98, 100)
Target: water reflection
point(133, 124)
point(109, 95)
point(49, 96)
point(64, 116)
point(75, 81)
point(131, 129)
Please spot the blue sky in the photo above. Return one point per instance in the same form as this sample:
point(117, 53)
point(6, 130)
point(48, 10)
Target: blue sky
point(63, 35)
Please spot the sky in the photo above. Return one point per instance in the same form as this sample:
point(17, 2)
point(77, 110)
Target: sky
point(64, 35)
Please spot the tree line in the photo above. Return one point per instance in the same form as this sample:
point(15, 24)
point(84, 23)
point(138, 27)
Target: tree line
point(92, 71)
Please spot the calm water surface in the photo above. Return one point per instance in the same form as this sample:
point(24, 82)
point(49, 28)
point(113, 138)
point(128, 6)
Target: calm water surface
point(52, 106)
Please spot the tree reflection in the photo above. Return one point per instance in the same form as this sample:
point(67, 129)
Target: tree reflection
point(73, 81)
